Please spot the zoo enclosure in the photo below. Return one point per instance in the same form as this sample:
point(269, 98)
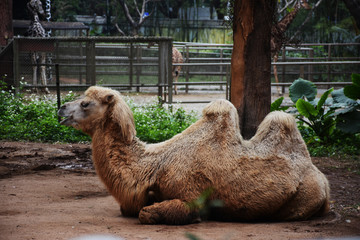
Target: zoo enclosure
point(131, 64)
point(86, 61)
point(324, 64)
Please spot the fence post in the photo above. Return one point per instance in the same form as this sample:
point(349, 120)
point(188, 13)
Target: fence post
point(187, 69)
point(16, 66)
point(221, 68)
point(311, 68)
point(138, 68)
point(283, 69)
point(302, 68)
point(90, 63)
point(328, 66)
point(228, 81)
point(131, 65)
point(81, 57)
point(165, 66)
point(58, 88)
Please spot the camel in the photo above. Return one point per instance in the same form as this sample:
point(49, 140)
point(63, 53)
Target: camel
point(269, 178)
point(176, 58)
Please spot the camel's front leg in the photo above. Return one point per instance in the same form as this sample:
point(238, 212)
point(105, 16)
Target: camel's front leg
point(173, 211)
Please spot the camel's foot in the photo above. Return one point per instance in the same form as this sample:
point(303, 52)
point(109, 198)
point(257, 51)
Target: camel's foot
point(174, 212)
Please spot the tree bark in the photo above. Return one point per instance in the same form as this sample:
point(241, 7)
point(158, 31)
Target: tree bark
point(251, 62)
point(6, 29)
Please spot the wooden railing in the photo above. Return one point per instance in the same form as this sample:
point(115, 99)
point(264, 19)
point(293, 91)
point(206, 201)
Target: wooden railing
point(130, 64)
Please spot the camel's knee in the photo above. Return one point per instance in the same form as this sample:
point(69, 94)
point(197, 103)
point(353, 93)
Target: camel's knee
point(174, 212)
point(312, 199)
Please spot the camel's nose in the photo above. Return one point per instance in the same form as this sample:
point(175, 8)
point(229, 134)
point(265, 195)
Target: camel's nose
point(61, 110)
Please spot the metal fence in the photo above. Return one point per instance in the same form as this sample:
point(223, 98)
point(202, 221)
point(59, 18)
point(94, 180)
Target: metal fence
point(144, 63)
point(324, 64)
point(121, 62)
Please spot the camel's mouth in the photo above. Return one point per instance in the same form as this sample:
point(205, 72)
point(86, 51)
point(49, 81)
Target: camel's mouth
point(66, 120)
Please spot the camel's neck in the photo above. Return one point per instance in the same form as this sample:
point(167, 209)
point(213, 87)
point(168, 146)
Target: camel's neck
point(111, 151)
point(117, 164)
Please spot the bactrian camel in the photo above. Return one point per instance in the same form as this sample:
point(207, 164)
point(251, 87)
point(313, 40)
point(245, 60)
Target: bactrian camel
point(269, 177)
point(176, 58)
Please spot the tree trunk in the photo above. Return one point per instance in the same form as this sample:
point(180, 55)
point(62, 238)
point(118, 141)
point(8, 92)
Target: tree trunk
point(6, 29)
point(251, 62)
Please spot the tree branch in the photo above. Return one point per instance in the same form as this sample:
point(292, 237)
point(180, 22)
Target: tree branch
point(127, 12)
point(287, 4)
point(137, 8)
point(119, 30)
point(305, 21)
point(142, 17)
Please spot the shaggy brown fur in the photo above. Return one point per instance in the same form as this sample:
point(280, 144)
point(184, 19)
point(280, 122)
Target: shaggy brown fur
point(270, 177)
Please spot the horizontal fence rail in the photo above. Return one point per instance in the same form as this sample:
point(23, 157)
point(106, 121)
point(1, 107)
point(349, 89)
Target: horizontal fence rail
point(144, 63)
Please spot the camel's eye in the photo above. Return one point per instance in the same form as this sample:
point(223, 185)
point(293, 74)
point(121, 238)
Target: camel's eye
point(84, 104)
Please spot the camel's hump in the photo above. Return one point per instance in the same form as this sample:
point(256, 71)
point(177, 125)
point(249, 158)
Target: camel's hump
point(218, 107)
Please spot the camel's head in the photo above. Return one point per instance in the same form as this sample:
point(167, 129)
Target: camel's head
point(99, 105)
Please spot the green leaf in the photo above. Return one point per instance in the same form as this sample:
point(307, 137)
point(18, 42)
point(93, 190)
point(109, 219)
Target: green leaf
point(339, 97)
point(328, 127)
point(355, 78)
point(352, 91)
point(276, 104)
point(350, 122)
point(323, 98)
point(306, 109)
point(301, 88)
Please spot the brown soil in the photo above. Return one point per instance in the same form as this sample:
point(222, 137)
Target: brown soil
point(51, 191)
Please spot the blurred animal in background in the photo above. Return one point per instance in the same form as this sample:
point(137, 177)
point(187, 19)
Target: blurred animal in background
point(38, 59)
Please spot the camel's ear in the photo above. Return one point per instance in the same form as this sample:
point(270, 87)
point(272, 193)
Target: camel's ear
point(108, 98)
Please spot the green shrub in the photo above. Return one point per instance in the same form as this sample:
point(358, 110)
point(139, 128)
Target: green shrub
point(328, 125)
point(34, 118)
point(155, 123)
point(348, 100)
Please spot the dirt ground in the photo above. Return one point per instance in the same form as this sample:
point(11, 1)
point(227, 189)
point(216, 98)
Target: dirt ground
point(51, 191)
